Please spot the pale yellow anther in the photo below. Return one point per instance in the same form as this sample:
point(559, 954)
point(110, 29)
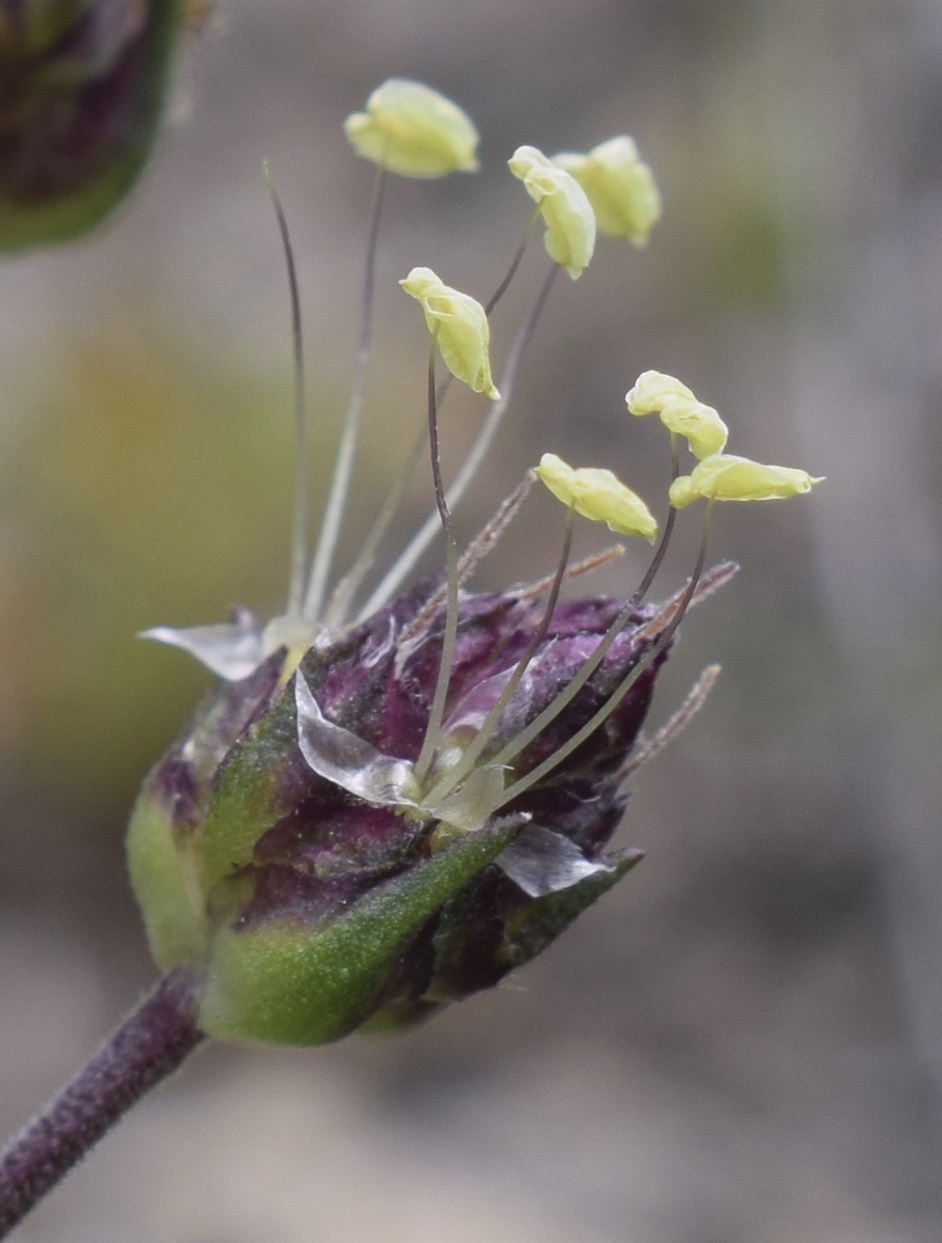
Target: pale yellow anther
point(620, 186)
point(725, 477)
point(459, 325)
point(680, 412)
point(413, 130)
point(564, 206)
point(599, 495)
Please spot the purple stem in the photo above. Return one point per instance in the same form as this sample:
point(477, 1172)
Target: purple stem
point(151, 1042)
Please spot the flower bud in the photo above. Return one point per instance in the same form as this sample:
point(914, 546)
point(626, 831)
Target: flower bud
point(566, 211)
point(724, 477)
point(459, 325)
point(413, 130)
point(599, 495)
point(311, 905)
point(82, 86)
point(620, 187)
point(681, 413)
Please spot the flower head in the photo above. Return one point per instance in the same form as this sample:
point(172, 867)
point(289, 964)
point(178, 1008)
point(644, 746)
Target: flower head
point(459, 325)
point(282, 846)
point(413, 130)
point(725, 477)
point(620, 186)
point(370, 818)
point(566, 211)
point(680, 412)
point(599, 495)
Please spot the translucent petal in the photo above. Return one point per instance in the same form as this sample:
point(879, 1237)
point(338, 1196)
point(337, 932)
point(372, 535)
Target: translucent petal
point(348, 761)
point(231, 650)
point(542, 862)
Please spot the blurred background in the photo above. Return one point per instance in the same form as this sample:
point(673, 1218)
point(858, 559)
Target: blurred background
point(743, 1042)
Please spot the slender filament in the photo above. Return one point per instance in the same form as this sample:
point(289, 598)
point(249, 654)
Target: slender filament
point(472, 753)
point(437, 711)
point(343, 469)
point(302, 481)
point(651, 573)
point(347, 588)
point(514, 264)
point(629, 680)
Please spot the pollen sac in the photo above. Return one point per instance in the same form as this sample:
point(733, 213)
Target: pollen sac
point(82, 86)
point(725, 477)
point(309, 910)
point(620, 187)
point(459, 325)
point(564, 206)
point(680, 412)
point(599, 495)
point(413, 130)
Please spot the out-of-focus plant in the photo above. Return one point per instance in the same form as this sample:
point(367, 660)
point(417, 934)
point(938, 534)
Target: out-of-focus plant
point(387, 803)
point(83, 85)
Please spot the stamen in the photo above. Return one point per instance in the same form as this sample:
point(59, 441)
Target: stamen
point(343, 468)
point(437, 710)
point(346, 589)
point(302, 482)
point(592, 663)
point(602, 715)
point(404, 564)
point(482, 544)
point(469, 758)
point(675, 724)
point(660, 552)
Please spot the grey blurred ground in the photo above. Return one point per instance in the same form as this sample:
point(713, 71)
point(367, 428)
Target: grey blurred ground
point(743, 1044)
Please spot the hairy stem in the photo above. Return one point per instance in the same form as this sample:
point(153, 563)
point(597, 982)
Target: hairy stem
point(151, 1042)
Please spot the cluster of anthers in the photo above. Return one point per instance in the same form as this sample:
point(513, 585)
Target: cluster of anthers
point(438, 716)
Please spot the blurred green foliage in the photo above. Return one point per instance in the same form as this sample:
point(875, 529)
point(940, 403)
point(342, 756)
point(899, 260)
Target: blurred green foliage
point(82, 90)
